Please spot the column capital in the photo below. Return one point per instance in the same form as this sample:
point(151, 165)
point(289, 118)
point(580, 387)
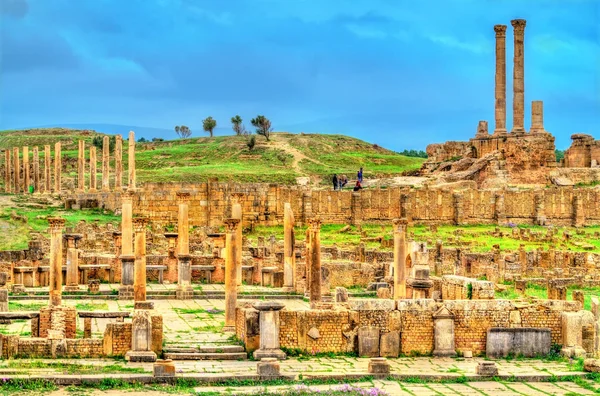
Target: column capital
point(518, 24)
point(400, 225)
point(500, 30)
point(183, 196)
point(127, 196)
point(56, 223)
point(237, 196)
point(231, 224)
point(315, 224)
point(140, 223)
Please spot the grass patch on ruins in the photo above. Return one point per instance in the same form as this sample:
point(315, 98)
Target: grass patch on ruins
point(541, 292)
point(89, 306)
point(18, 306)
point(72, 368)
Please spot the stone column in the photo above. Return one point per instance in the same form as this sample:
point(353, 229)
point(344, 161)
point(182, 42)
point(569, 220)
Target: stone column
point(57, 167)
point(500, 87)
point(36, 169)
point(172, 258)
point(537, 117)
point(26, 178)
point(105, 163)
point(119, 163)
point(93, 177)
point(17, 170)
point(269, 330)
point(7, 171)
point(289, 254)
point(56, 228)
point(184, 277)
point(400, 258)
point(230, 274)
point(47, 171)
point(236, 213)
point(81, 167)
point(315, 262)
point(139, 277)
point(131, 143)
point(572, 335)
point(443, 325)
point(72, 282)
point(127, 256)
point(519, 76)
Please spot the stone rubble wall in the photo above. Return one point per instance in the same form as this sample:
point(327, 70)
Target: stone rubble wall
point(456, 288)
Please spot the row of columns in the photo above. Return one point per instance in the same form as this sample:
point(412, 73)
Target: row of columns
point(18, 177)
point(537, 113)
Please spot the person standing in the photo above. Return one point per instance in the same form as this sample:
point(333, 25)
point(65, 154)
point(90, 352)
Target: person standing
point(335, 182)
point(359, 175)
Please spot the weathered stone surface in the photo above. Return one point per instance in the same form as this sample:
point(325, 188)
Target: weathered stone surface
point(487, 369)
point(268, 367)
point(528, 342)
point(591, 365)
point(368, 341)
point(379, 365)
point(163, 368)
point(314, 333)
point(389, 345)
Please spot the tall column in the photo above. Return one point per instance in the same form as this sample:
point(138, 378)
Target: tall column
point(236, 213)
point(119, 163)
point(26, 178)
point(519, 76)
point(400, 258)
point(537, 117)
point(81, 167)
point(184, 271)
point(315, 262)
point(36, 169)
point(57, 168)
point(230, 274)
point(500, 87)
point(131, 160)
point(47, 171)
point(127, 256)
point(72, 281)
point(16, 170)
point(139, 277)
point(93, 161)
point(7, 171)
point(56, 227)
point(105, 163)
point(289, 256)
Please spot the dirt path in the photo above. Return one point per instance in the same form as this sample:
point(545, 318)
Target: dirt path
point(281, 143)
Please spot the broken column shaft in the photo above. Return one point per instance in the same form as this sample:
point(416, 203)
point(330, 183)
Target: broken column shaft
point(399, 258)
point(289, 257)
point(56, 227)
point(230, 273)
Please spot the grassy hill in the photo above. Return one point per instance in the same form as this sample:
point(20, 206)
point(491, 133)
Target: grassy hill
point(283, 159)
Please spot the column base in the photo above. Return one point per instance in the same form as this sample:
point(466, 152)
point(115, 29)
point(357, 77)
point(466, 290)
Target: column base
point(140, 356)
point(72, 288)
point(573, 352)
point(500, 132)
point(126, 292)
point(287, 288)
point(18, 288)
point(143, 305)
point(228, 329)
point(184, 293)
point(444, 353)
point(269, 353)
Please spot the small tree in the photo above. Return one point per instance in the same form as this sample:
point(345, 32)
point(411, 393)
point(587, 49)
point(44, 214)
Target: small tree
point(262, 125)
point(251, 142)
point(183, 131)
point(209, 124)
point(238, 127)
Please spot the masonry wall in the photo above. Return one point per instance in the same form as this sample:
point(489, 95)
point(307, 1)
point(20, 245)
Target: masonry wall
point(210, 204)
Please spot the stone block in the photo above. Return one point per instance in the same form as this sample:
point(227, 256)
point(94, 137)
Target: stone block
point(140, 356)
point(376, 285)
point(163, 368)
point(384, 293)
point(268, 367)
point(468, 354)
point(487, 369)
point(143, 305)
point(591, 365)
point(341, 295)
point(389, 345)
point(379, 365)
point(368, 341)
point(527, 342)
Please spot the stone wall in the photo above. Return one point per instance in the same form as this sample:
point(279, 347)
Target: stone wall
point(210, 204)
point(583, 153)
point(457, 288)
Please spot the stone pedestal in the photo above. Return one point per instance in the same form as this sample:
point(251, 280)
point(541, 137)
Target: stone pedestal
point(163, 368)
point(184, 289)
point(572, 335)
point(379, 365)
point(269, 330)
point(230, 273)
point(444, 345)
point(268, 368)
point(487, 369)
point(141, 338)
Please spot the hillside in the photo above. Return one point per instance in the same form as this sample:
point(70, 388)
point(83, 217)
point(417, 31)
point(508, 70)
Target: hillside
point(282, 160)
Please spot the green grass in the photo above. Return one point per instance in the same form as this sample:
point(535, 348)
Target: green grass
point(541, 292)
point(14, 306)
point(71, 368)
point(89, 306)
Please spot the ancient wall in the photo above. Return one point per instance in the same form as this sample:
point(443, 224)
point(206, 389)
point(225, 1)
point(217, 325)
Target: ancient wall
point(583, 153)
point(210, 204)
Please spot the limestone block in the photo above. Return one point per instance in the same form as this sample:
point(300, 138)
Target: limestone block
point(314, 333)
point(578, 296)
point(163, 368)
point(384, 293)
point(487, 369)
point(389, 345)
point(444, 344)
point(379, 365)
point(368, 341)
point(591, 365)
point(268, 367)
point(572, 334)
point(341, 295)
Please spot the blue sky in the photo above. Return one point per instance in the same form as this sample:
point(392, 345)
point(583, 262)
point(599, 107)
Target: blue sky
point(399, 73)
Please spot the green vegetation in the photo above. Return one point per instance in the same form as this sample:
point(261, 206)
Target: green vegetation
point(89, 306)
point(71, 368)
point(14, 306)
point(537, 291)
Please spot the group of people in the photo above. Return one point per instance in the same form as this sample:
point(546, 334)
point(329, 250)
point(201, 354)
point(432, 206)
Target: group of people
point(342, 180)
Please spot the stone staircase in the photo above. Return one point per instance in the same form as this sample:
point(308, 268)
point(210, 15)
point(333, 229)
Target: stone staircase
point(217, 352)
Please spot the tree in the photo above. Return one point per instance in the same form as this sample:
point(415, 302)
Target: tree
point(251, 142)
point(209, 124)
point(262, 125)
point(183, 131)
point(238, 127)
